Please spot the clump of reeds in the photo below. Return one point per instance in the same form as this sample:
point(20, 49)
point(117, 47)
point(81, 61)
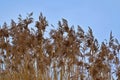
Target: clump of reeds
point(67, 54)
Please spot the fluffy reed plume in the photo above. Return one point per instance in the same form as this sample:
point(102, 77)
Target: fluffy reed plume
point(67, 54)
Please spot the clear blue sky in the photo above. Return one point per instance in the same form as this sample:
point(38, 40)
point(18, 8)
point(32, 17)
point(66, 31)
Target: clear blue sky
point(101, 15)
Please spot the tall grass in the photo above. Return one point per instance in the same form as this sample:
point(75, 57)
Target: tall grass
point(67, 54)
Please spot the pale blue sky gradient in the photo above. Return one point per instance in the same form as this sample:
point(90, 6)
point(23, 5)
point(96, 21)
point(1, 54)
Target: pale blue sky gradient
point(101, 15)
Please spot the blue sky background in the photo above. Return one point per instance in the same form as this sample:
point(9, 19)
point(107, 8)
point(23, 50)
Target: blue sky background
point(101, 15)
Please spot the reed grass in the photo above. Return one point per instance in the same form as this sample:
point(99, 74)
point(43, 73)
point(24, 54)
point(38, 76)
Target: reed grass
point(67, 54)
